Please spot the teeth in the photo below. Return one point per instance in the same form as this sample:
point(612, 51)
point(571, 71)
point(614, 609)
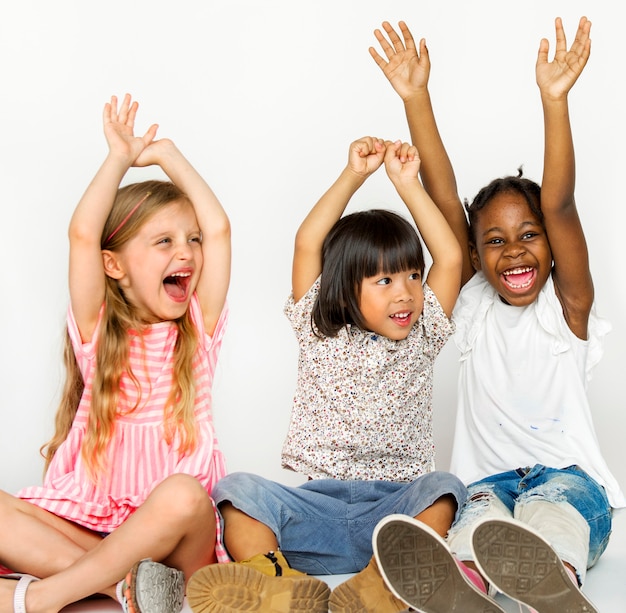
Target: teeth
point(180, 274)
point(517, 271)
point(402, 315)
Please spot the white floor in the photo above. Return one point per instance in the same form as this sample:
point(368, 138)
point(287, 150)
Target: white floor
point(605, 586)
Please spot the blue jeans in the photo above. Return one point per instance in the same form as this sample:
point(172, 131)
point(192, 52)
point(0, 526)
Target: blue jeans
point(566, 506)
point(325, 526)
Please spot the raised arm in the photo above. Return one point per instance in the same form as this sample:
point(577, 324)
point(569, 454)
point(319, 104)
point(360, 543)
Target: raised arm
point(402, 164)
point(572, 276)
point(86, 271)
point(214, 224)
point(408, 72)
point(365, 157)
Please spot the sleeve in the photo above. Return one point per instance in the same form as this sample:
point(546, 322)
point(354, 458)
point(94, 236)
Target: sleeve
point(85, 352)
point(210, 343)
point(470, 310)
point(550, 315)
point(299, 313)
point(437, 327)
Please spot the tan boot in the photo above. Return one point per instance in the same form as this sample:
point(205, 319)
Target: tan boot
point(264, 583)
point(272, 564)
point(366, 592)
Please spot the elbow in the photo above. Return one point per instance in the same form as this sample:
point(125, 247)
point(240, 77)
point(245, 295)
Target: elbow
point(82, 234)
point(220, 230)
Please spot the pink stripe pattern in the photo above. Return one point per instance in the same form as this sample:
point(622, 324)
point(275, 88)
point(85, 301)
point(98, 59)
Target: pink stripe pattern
point(138, 456)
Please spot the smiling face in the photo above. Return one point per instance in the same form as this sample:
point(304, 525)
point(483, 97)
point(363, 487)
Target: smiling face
point(158, 268)
point(391, 303)
point(511, 248)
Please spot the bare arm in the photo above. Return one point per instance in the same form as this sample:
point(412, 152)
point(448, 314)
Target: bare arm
point(572, 276)
point(86, 271)
point(444, 277)
point(366, 156)
point(214, 224)
point(408, 72)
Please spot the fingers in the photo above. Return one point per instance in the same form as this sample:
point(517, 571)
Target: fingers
point(384, 43)
point(150, 134)
point(405, 152)
point(126, 110)
point(367, 145)
point(377, 58)
point(408, 153)
point(409, 43)
point(126, 113)
point(561, 42)
point(398, 44)
point(544, 47)
point(582, 43)
point(392, 43)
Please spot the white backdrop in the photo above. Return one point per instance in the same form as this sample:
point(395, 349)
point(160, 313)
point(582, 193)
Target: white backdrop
point(264, 99)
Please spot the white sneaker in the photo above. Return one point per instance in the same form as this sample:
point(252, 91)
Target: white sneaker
point(522, 565)
point(419, 569)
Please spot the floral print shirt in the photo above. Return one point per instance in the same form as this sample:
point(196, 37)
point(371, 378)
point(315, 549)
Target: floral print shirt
point(362, 408)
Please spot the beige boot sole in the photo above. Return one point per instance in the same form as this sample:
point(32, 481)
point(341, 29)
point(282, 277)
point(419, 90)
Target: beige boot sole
point(226, 588)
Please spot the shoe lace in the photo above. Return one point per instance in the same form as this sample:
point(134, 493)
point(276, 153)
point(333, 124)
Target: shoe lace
point(274, 560)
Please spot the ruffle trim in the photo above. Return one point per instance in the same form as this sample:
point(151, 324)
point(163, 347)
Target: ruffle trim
point(478, 297)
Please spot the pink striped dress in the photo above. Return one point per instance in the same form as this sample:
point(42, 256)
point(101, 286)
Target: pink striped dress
point(138, 456)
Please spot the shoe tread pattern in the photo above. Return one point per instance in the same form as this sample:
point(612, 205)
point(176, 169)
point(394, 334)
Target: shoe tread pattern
point(232, 588)
point(525, 568)
point(157, 588)
point(424, 574)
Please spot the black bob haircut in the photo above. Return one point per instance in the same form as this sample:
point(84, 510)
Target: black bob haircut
point(361, 245)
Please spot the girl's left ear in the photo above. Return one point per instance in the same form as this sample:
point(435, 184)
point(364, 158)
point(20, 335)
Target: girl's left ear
point(112, 265)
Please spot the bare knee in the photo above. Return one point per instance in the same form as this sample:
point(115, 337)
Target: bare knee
point(183, 496)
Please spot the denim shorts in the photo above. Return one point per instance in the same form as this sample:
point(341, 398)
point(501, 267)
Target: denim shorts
point(325, 526)
point(557, 485)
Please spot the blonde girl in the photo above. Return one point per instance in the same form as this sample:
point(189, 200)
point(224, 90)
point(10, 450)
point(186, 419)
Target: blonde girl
point(134, 455)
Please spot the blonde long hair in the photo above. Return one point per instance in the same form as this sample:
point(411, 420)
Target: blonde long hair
point(113, 344)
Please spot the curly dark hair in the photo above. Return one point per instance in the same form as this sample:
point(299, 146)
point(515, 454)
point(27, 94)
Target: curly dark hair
point(529, 189)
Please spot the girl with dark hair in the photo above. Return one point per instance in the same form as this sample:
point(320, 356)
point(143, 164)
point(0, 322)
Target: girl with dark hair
point(540, 501)
point(369, 325)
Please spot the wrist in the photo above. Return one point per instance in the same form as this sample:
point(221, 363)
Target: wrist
point(416, 96)
point(406, 185)
point(353, 176)
point(548, 98)
point(118, 160)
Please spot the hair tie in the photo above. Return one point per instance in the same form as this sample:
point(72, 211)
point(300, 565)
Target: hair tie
point(123, 222)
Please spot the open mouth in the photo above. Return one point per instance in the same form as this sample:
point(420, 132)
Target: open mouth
point(402, 319)
point(519, 278)
point(177, 285)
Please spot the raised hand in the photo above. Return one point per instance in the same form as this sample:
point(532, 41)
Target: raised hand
point(406, 70)
point(119, 129)
point(366, 155)
point(402, 162)
point(557, 77)
point(156, 152)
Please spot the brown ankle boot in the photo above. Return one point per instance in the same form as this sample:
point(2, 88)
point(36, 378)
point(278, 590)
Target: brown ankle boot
point(366, 592)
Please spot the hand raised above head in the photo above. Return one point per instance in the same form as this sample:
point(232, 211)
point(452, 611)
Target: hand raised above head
point(406, 69)
point(402, 162)
point(119, 129)
point(557, 77)
point(366, 155)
